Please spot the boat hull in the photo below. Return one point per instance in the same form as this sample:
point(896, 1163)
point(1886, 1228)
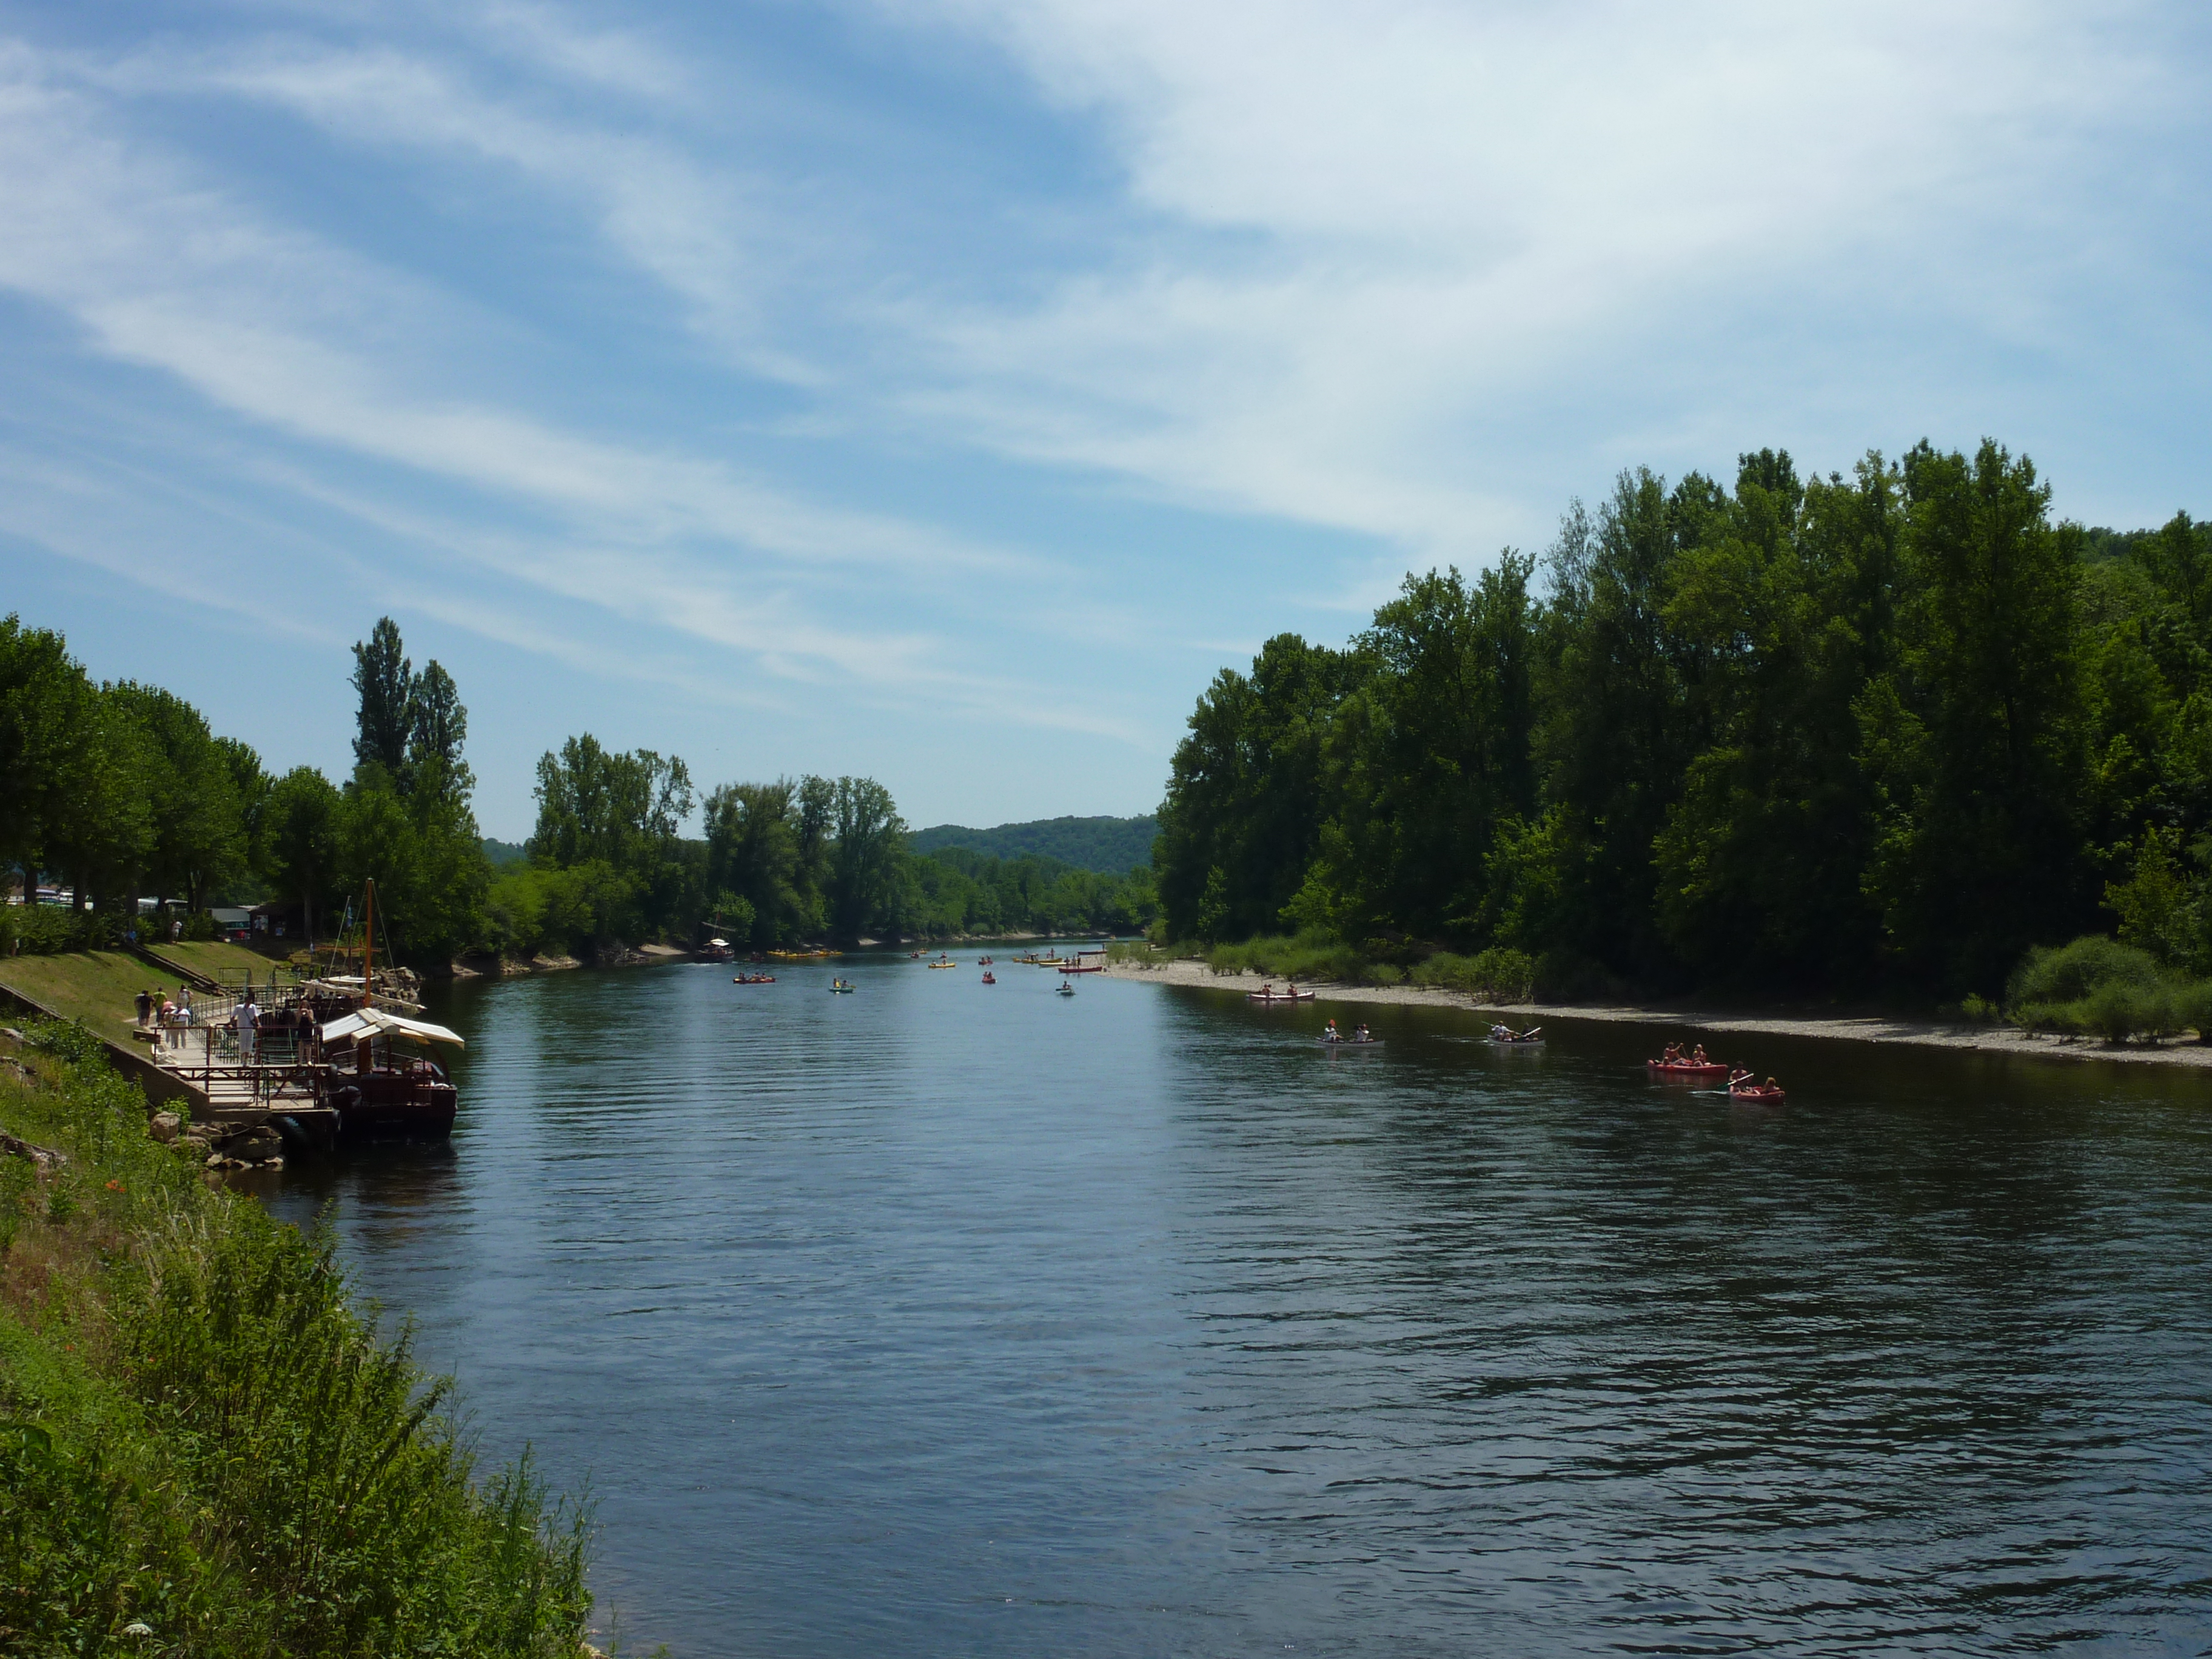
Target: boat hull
point(391, 1105)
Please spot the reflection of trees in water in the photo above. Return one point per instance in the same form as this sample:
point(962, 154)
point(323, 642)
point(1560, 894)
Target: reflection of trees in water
point(381, 1196)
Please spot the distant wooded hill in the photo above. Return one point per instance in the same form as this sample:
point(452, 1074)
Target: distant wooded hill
point(1109, 846)
point(499, 853)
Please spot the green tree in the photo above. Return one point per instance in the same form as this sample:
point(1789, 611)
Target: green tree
point(196, 789)
point(438, 727)
point(45, 714)
point(866, 861)
point(622, 814)
point(384, 681)
point(297, 846)
point(1978, 743)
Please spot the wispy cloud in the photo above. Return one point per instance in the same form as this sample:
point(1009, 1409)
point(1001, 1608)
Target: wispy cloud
point(1373, 236)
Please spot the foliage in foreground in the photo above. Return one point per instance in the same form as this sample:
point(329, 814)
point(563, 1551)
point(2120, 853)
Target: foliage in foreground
point(204, 1449)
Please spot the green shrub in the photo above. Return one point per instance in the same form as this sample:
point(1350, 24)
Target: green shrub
point(199, 1434)
point(2099, 987)
point(1497, 974)
point(45, 930)
point(2068, 973)
point(2192, 1008)
point(1977, 1010)
point(1306, 956)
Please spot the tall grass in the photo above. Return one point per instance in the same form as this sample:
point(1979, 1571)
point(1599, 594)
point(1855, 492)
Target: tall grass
point(204, 1448)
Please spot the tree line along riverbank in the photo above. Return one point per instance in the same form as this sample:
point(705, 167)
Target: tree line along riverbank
point(203, 1448)
point(1896, 735)
point(120, 792)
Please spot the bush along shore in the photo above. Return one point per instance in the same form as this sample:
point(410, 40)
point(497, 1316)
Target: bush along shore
point(206, 1448)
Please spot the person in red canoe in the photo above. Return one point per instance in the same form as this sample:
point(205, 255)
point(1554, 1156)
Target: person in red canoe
point(1698, 1056)
point(1740, 1079)
point(1673, 1056)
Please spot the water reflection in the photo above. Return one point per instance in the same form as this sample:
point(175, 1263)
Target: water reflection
point(941, 1318)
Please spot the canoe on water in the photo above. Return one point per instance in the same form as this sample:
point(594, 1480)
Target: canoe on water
point(1758, 1094)
point(1351, 1042)
point(1267, 996)
point(1683, 1068)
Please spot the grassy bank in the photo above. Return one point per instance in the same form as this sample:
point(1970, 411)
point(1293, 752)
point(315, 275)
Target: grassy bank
point(94, 986)
point(203, 1448)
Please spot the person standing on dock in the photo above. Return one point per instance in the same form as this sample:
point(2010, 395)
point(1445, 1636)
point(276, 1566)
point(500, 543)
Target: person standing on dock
point(248, 1017)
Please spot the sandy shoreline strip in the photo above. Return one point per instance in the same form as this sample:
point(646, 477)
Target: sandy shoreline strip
point(1927, 1034)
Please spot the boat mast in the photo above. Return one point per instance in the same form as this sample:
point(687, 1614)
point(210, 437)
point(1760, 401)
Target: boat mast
point(368, 946)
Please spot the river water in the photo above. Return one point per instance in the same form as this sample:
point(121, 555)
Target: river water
point(943, 1319)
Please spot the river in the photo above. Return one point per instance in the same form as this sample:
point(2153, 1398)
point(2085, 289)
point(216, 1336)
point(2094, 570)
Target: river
point(945, 1319)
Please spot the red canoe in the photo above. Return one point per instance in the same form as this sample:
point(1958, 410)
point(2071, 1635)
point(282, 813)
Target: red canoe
point(1683, 1068)
point(1758, 1094)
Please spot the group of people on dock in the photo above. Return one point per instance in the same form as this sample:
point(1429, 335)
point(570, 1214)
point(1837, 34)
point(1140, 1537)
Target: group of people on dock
point(172, 1015)
point(175, 1018)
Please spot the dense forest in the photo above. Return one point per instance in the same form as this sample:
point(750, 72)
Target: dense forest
point(1107, 846)
point(1880, 733)
point(120, 792)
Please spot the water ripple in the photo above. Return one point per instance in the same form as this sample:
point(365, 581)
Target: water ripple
point(939, 1319)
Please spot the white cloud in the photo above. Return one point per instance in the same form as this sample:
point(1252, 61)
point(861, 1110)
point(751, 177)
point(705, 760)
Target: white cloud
point(174, 274)
point(1364, 237)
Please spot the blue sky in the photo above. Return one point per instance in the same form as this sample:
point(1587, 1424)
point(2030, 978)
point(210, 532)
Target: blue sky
point(944, 390)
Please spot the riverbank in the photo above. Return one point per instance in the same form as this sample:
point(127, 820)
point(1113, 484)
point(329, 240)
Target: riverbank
point(204, 1448)
point(1690, 1015)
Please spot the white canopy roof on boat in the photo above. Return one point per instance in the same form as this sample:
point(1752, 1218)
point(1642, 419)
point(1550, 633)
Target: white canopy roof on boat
point(363, 1020)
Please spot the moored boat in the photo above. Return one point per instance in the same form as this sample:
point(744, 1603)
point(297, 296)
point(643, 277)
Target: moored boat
point(393, 1086)
point(377, 1072)
point(752, 979)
